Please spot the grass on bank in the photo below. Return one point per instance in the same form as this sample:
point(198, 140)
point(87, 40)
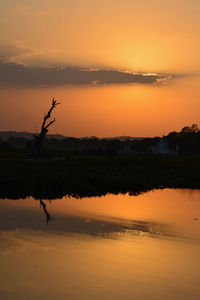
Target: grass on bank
point(89, 175)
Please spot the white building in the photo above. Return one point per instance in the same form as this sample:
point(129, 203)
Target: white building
point(162, 148)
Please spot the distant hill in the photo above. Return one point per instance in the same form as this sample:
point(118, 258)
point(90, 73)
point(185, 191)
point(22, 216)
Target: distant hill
point(4, 135)
point(27, 135)
point(121, 138)
point(130, 138)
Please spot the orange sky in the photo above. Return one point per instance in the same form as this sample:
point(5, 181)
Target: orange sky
point(140, 35)
point(147, 36)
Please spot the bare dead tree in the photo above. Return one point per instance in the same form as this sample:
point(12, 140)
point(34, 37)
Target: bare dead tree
point(44, 129)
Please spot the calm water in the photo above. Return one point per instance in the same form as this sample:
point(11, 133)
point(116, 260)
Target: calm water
point(112, 247)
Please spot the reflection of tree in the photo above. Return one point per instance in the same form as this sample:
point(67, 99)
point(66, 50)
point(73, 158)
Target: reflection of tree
point(49, 217)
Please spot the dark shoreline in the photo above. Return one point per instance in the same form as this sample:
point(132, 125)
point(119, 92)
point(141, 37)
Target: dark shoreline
point(93, 175)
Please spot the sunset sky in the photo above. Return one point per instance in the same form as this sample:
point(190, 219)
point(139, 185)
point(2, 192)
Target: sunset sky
point(105, 44)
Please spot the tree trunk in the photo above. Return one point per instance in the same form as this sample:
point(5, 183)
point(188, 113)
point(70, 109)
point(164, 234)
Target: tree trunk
point(38, 139)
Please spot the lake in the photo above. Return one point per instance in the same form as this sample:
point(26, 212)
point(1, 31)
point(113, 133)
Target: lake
point(110, 247)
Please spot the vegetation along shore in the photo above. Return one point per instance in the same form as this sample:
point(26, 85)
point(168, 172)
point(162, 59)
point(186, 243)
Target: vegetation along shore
point(89, 175)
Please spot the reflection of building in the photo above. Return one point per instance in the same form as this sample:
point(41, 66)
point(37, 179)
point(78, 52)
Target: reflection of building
point(162, 148)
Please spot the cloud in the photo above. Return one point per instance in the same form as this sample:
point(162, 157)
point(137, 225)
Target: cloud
point(42, 13)
point(164, 79)
point(11, 52)
point(21, 54)
point(25, 8)
point(17, 61)
point(12, 73)
point(22, 7)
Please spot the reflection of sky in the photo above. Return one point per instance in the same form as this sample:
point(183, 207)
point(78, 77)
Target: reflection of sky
point(29, 218)
point(163, 213)
point(69, 259)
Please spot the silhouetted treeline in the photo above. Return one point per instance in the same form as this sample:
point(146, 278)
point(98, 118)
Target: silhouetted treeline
point(68, 145)
point(186, 142)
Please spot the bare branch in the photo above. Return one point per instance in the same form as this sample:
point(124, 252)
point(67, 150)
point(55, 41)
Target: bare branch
point(51, 122)
point(48, 115)
point(44, 128)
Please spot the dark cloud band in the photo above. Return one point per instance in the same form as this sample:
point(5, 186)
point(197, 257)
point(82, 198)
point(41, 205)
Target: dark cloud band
point(11, 73)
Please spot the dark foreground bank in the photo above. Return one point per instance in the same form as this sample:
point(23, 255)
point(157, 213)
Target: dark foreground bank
point(81, 175)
